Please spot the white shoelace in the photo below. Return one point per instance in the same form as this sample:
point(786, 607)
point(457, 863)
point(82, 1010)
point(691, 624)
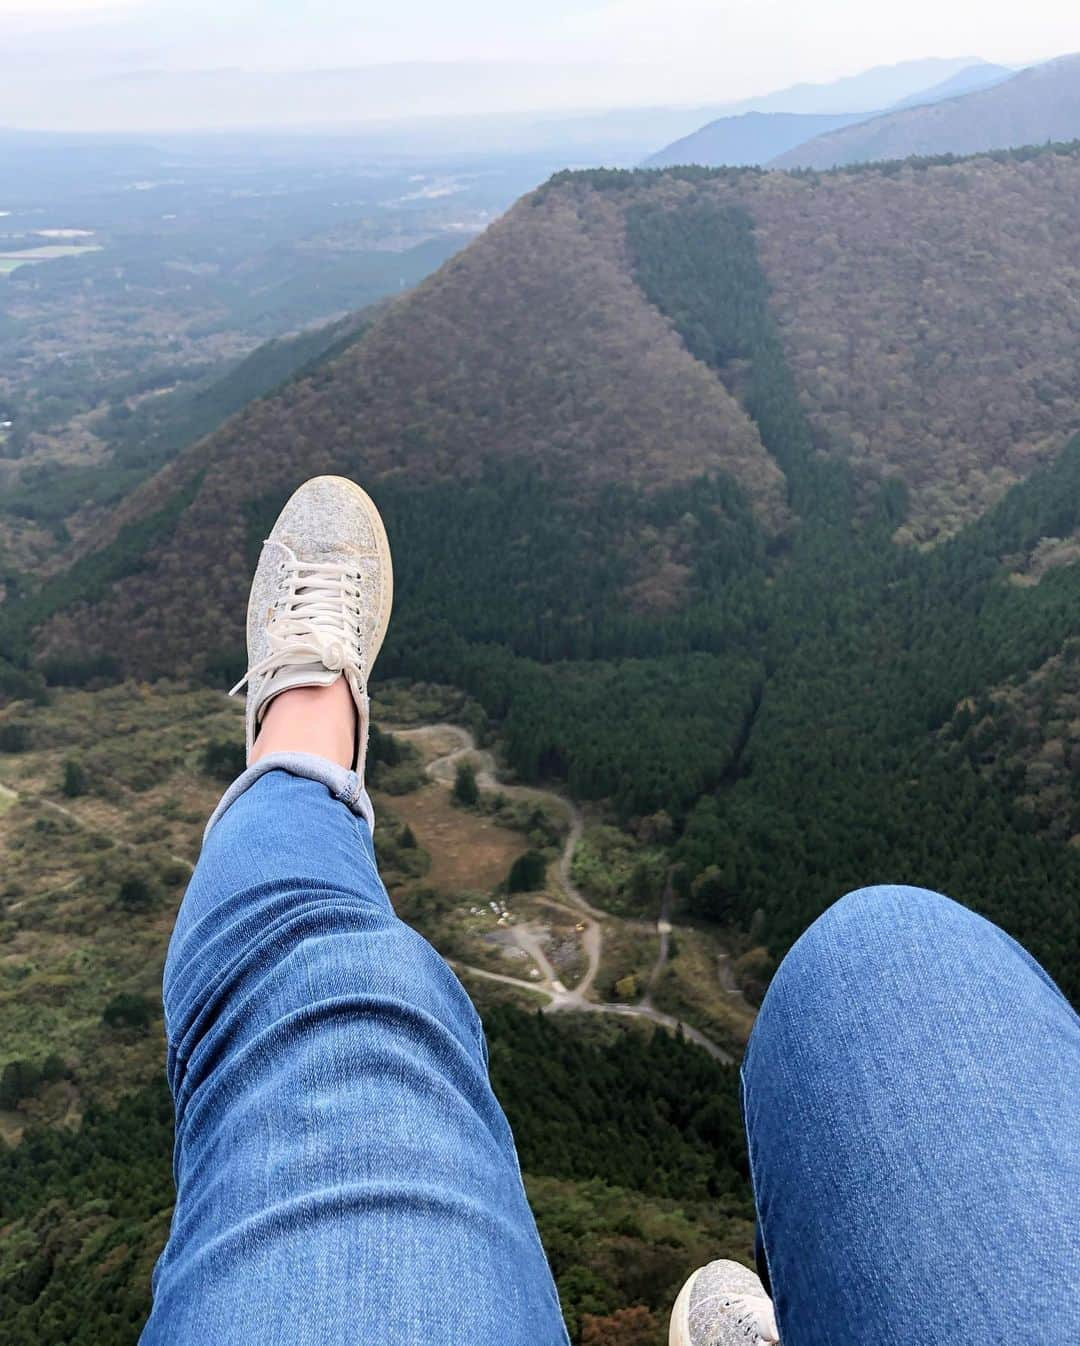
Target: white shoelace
point(318, 623)
point(755, 1315)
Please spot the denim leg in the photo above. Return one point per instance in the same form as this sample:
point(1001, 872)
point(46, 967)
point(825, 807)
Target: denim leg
point(344, 1173)
point(912, 1101)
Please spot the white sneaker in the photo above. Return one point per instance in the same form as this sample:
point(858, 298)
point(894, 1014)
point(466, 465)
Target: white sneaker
point(723, 1304)
point(320, 600)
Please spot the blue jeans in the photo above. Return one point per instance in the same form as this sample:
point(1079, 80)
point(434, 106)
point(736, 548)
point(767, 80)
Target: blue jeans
point(345, 1175)
point(912, 1101)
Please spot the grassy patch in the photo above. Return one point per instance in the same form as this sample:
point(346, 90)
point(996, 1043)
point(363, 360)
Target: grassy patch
point(618, 873)
point(410, 704)
point(700, 984)
point(470, 851)
point(543, 824)
point(629, 956)
point(487, 994)
point(90, 883)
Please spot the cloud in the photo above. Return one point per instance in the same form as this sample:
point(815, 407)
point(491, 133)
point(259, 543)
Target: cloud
point(823, 40)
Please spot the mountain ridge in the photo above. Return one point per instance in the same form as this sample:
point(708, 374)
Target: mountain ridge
point(864, 91)
point(1037, 105)
point(448, 376)
point(749, 138)
point(765, 129)
point(969, 79)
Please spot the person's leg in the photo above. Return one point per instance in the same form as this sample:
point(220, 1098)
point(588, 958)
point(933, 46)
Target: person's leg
point(344, 1173)
point(316, 720)
point(912, 1102)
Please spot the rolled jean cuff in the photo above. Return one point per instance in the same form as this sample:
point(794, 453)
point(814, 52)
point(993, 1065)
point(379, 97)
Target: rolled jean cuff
point(343, 784)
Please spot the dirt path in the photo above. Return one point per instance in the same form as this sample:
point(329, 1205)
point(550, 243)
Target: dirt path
point(528, 938)
point(10, 795)
point(442, 770)
point(663, 929)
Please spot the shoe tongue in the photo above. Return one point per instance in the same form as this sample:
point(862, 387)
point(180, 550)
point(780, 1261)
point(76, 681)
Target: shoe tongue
point(308, 552)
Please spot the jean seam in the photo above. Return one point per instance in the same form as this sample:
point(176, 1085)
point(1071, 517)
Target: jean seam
point(743, 1093)
point(366, 843)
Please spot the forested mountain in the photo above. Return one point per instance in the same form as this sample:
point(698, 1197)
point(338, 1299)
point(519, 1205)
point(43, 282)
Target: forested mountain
point(752, 138)
point(745, 506)
point(1037, 105)
point(654, 454)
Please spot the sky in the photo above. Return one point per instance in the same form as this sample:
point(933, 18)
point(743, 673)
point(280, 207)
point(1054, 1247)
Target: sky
point(535, 54)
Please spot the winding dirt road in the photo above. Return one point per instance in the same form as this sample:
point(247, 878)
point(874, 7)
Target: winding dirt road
point(527, 936)
point(442, 770)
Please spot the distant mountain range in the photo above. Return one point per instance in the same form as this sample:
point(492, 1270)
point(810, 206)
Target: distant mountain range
point(1035, 106)
point(883, 86)
point(763, 129)
point(979, 76)
point(402, 108)
point(751, 130)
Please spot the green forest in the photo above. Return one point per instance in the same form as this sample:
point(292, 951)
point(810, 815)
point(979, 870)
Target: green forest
point(797, 715)
point(644, 1134)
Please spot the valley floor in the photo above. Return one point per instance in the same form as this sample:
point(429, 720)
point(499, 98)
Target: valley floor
point(103, 796)
point(111, 789)
point(592, 925)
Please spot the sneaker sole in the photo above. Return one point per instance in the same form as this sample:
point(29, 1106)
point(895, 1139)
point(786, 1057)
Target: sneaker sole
point(386, 564)
point(386, 567)
point(679, 1331)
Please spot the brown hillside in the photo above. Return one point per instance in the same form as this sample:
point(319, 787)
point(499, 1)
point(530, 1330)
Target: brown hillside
point(535, 343)
point(930, 317)
point(1030, 732)
point(1037, 105)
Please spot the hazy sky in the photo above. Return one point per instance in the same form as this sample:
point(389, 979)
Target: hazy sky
point(599, 52)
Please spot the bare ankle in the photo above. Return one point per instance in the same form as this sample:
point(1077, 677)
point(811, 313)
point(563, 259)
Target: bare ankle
point(317, 720)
